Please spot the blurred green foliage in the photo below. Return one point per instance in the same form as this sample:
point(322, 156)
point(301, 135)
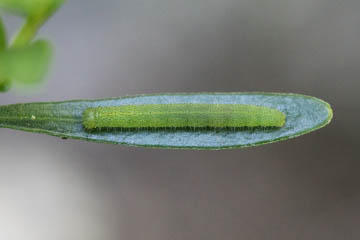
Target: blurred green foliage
point(24, 62)
point(2, 36)
point(31, 7)
point(27, 65)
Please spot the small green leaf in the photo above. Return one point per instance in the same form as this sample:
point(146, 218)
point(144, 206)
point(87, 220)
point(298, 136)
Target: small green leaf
point(5, 85)
point(26, 65)
point(64, 119)
point(32, 7)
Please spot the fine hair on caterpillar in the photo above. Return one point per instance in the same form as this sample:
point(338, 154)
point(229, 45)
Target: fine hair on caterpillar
point(176, 129)
point(189, 116)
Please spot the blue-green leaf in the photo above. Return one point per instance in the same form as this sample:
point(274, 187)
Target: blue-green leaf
point(64, 119)
point(27, 65)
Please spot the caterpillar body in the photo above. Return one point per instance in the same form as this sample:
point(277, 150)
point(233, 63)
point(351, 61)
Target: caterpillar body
point(182, 116)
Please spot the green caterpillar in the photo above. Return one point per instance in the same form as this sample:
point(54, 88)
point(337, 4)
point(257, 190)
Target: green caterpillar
point(182, 116)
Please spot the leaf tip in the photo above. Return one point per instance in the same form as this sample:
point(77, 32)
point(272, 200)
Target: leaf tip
point(330, 113)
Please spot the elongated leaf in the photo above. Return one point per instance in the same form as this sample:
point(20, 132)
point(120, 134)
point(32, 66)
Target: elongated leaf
point(64, 119)
point(26, 65)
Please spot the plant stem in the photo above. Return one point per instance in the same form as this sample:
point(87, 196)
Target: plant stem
point(4, 83)
point(26, 33)
point(2, 36)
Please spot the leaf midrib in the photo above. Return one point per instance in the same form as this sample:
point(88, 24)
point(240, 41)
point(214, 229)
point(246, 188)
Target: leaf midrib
point(57, 119)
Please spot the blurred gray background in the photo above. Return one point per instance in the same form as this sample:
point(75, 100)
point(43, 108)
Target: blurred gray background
point(304, 188)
